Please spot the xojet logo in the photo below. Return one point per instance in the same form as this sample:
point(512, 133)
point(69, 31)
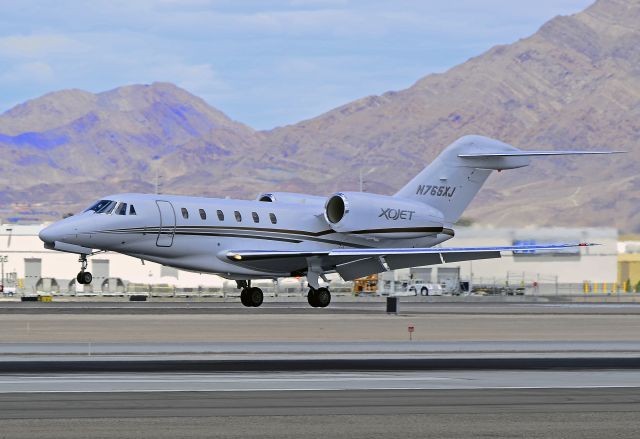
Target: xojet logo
point(396, 214)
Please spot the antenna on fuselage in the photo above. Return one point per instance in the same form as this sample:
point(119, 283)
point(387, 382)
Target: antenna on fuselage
point(158, 185)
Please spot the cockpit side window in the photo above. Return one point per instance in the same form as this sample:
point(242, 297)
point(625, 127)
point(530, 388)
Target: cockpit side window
point(132, 210)
point(122, 209)
point(99, 205)
point(107, 208)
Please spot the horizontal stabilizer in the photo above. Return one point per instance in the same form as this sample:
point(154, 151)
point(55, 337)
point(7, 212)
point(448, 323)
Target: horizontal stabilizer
point(533, 153)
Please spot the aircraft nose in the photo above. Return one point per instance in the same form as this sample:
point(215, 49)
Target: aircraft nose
point(50, 233)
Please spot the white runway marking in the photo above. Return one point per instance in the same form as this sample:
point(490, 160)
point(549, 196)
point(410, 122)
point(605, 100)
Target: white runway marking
point(318, 381)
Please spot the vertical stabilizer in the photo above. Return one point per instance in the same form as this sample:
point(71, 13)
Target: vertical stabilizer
point(450, 182)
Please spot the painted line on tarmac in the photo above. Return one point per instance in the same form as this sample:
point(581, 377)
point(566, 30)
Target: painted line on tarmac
point(317, 389)
point(311, 365)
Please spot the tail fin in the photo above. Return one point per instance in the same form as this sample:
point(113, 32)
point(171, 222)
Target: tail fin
point(451, 181)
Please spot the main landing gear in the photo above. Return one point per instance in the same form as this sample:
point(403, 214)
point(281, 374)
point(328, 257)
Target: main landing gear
point(84, 277)
point(250, 296)
point(319, 298)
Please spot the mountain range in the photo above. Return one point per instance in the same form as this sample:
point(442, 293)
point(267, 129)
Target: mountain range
point(575, 84)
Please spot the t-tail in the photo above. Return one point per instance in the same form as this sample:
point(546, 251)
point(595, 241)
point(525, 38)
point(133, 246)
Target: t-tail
point(451, 181)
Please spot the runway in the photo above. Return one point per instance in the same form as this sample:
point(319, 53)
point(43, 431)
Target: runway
point(365, 305)
point(495, 413)
point(318, 380)
point(300, 323)
point(289, 371)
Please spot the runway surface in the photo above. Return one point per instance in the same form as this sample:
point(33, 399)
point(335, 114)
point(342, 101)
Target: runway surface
point(318, 380)
point(495, 413)
point(168, 370)
point(407, 305)
point(300, 323)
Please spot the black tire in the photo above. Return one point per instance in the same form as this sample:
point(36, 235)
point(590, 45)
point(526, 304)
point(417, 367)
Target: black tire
point(86, 278)
point(312, 298)
point(323, 297)
point(79, 278)
point(244, 297)
point(255, 297)
point(424, 291)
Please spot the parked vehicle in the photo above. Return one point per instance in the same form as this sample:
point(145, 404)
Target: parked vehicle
point(425, 289)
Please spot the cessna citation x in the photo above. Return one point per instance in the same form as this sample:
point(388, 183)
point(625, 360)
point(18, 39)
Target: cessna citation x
point(284, 234)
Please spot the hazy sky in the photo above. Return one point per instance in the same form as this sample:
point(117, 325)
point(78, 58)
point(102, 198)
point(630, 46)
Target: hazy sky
point(264, 63)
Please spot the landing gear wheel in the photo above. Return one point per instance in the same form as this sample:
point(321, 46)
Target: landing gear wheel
point(323, 297)
point(244, 297)
point(320, 298)
point(251, 297)
point(255, 297)
point(311, 297)
point(84, 278)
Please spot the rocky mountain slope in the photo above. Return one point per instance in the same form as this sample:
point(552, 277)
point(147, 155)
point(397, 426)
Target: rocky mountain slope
point(69, 147)
point(574, 84)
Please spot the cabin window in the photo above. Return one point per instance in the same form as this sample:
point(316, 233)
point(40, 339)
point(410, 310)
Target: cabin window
point(272, 217)
point(221, 215)
point(185, 213)
point(122, 209)
point(256, 218)
point(132, 210)
point(238, 216)
point(203, 214)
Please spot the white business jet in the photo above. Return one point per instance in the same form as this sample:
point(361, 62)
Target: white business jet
point(284, 234)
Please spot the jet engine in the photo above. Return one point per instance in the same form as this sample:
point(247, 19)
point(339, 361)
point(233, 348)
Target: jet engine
point(380, 216)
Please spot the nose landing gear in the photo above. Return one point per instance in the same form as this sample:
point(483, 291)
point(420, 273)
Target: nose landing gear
point(84, 277)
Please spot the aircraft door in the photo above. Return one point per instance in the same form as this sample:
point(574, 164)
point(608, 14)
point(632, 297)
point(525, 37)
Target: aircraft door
point(167, 224)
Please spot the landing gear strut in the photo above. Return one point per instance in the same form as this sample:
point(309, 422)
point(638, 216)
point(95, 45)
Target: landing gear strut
point(250, 296)
point(317, 297)
point(320, 298)
point(84, 277)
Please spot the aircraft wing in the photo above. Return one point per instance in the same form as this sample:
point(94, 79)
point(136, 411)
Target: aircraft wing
point(355, 263)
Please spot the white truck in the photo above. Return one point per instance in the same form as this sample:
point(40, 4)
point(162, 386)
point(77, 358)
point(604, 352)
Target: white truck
point(422, 288)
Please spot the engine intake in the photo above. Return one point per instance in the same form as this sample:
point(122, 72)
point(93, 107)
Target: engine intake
point(336, 208)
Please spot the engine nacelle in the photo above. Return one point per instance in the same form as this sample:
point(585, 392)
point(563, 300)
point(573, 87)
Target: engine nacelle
point(290, 197)
point(381, 216)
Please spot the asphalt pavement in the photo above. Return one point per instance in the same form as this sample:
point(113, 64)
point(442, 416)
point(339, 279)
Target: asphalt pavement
point(496, 413)
point(169, 370)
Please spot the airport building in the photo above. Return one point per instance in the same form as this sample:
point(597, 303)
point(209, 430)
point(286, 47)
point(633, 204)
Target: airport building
point(629, 261)
point(26, 264)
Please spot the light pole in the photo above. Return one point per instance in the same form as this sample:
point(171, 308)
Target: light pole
point(362, 175)
point(3, 259)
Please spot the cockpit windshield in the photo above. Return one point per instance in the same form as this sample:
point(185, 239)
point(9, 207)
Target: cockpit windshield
point(101, 206)
point(108, 206)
